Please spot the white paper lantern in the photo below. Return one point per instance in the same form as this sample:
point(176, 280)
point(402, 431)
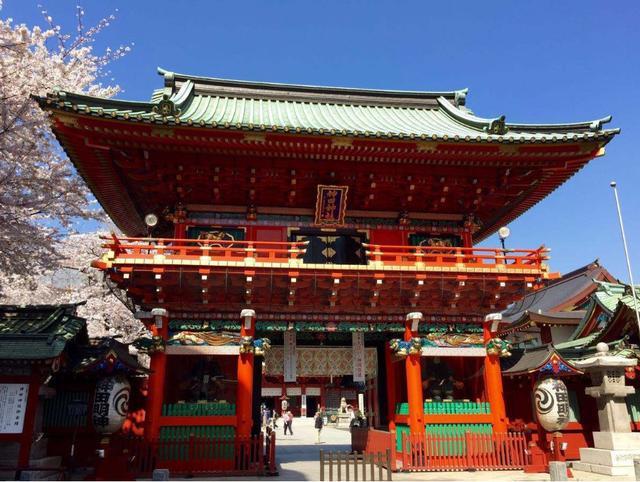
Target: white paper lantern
point(551, 400)
point(111, 404)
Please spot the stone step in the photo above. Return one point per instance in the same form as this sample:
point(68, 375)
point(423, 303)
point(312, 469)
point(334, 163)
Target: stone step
point(611, 458)
point(603, 469)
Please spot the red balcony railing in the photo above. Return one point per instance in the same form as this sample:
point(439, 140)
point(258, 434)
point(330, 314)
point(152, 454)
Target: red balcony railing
point(451, 256)
point(217, 250)
point(125, 248)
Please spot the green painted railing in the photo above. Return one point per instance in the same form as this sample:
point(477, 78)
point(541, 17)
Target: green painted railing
point(633, 406)
point(174, 441)
point(198, 431)
point(456, 447)
point(453, 407)
point(198, 409)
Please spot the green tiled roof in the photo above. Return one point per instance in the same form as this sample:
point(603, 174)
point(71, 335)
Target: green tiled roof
point(37, 332)
point(209, 102)
point(608, 295)
point(578, 342)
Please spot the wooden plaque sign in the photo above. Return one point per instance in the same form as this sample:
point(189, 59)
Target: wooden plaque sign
point(331, 205)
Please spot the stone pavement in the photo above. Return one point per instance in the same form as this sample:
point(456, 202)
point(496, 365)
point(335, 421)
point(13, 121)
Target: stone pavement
point(297, 457)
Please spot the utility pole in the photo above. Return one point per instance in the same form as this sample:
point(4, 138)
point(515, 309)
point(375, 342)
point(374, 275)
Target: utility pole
point(626, 253)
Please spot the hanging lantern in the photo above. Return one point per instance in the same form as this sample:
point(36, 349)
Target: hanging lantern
point(111, 404)
point(551, 399)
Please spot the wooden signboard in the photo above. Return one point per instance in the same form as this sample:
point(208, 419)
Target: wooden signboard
point(331, 205)
point(357, 340)
point(13, 405)
point(290, 359)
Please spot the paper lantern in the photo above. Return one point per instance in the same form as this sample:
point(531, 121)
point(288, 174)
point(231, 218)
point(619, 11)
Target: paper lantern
point(111, 404)
point(551, 399)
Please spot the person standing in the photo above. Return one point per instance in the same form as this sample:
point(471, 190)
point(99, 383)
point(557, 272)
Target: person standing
point(318, 421)
point(288, 421)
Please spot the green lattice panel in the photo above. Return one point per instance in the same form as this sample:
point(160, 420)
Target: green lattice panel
point(198, 409)
point(446, 447)
point(175, 441)
point(454, 407)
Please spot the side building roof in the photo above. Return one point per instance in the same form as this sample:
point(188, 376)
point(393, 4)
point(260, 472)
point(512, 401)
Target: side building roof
point(38, 332)
point(559, 295)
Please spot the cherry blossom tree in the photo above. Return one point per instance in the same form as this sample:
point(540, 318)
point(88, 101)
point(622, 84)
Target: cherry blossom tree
point(107, 309)
point(42, 260)
point(41, 195)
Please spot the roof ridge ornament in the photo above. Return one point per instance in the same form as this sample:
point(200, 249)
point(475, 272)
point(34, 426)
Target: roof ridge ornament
point(497, 126)
point(596, 125)
point(166, 107)
point(169, 77)
point(460, 97)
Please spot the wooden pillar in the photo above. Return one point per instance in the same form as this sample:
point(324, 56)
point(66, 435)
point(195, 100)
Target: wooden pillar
point(467, 239)
point(256, 415)
point(493, 385)
point(414, 377)
point(26, 437)
point(545, 334)
point(180, 230)
point(244, 392)
point(157, 377)
point(376, 403)
point(391, 387)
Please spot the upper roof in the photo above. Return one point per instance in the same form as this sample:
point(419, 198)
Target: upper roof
point(37, 332)
point(260, 106)
point(280, 141)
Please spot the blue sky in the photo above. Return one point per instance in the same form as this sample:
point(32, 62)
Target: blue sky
point(543, 61)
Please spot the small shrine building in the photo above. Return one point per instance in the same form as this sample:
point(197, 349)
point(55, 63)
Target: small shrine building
point(552, 333)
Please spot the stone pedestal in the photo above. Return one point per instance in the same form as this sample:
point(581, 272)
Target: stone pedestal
point(615, 446)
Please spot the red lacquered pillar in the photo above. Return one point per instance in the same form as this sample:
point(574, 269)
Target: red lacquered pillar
point(244, 393)
point(493, 385)
point(158, 366)
point(26, 437)
point(414, 377)
point(391, 387)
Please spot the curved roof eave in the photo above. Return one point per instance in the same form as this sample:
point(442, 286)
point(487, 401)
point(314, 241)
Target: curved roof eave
point(486, 124)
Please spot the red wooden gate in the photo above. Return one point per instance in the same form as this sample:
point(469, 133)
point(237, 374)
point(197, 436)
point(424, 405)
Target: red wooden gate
point(498, 451)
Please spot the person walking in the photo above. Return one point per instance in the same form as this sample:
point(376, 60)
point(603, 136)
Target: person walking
point(318, 421)
point(288, 421)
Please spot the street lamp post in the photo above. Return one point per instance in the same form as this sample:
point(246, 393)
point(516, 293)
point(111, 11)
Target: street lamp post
point(626, 252)
point(503, 233)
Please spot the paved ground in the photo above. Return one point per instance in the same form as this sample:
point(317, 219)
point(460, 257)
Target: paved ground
point(298, 459)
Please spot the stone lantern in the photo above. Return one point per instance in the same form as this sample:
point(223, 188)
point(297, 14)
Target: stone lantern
point(615, 444)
